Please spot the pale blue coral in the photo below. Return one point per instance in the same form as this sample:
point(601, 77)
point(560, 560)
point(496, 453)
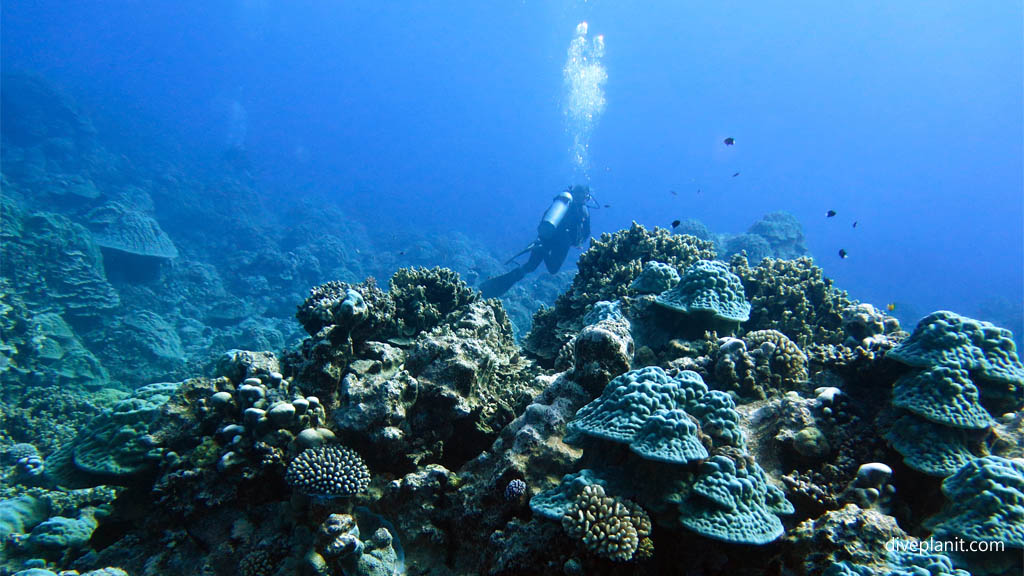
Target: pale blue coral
point(945, 338)
point(669, 436)
point(655, 278)
point(987, 496)
point(708, 286)
point(556, 502)
point(944, 395)
point(733, 504)
point(930, 448)
point(629, 400)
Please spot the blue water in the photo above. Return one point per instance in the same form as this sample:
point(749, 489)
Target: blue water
point(434, 117)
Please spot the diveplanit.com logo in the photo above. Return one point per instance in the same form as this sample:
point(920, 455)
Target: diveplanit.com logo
point(933, 545)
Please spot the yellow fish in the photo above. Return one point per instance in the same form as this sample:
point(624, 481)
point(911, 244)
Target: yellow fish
point(891, 306)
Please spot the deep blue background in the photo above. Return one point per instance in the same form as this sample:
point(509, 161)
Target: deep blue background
point(904, 116)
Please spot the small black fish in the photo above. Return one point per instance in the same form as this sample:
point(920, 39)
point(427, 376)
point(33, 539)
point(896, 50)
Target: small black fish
point(674, 193)
point(735, 174)
point(607, 205)
point(675, 223)
point(698, 190)
point(842, 252)
point(854, 223)
point(729, 141)
point(830, 213)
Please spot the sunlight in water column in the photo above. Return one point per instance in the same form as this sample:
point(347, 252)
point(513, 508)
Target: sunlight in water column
point(584, 77)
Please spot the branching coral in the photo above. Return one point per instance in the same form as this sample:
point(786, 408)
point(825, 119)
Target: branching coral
point(423, 297)
point(793, 297)
point(608, 527)
point(329, 472)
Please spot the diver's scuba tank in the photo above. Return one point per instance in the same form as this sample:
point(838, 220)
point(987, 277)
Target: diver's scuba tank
point(554, 215)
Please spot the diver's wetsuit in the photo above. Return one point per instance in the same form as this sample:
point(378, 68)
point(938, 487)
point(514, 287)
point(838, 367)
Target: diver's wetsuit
point(573, 229)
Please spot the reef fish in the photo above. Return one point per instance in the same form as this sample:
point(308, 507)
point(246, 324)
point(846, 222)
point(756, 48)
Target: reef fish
point(729, 141)
point(675, 223)
point(830, 213)
point(842, 252)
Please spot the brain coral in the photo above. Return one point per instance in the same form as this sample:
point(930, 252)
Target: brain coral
point(669, 436)
point(931, 448)
point(629, 400)
point(661, 418)
point(708, 286)
point(970, 370)
point(655, 278)
point(328, 472)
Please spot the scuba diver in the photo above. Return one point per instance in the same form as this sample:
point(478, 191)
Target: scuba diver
point(566, 223)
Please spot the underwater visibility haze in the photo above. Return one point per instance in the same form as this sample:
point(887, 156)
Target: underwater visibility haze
point(567, 287)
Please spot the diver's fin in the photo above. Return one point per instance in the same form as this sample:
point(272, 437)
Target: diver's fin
point(495, 287)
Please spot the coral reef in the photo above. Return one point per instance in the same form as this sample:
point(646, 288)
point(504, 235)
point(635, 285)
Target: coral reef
point(987, 502)
point(734, 503)
point(762, 362)
point(655, 278)
point(966, 369)
point(783, 234)
point(621, 438)
point(668, 423)
point(856, 542)
point(605, 272)
point(424, 297)
point(708, 286)
point(793, 297)
point(116, 446)
point(117, 227)
point(775, 235)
